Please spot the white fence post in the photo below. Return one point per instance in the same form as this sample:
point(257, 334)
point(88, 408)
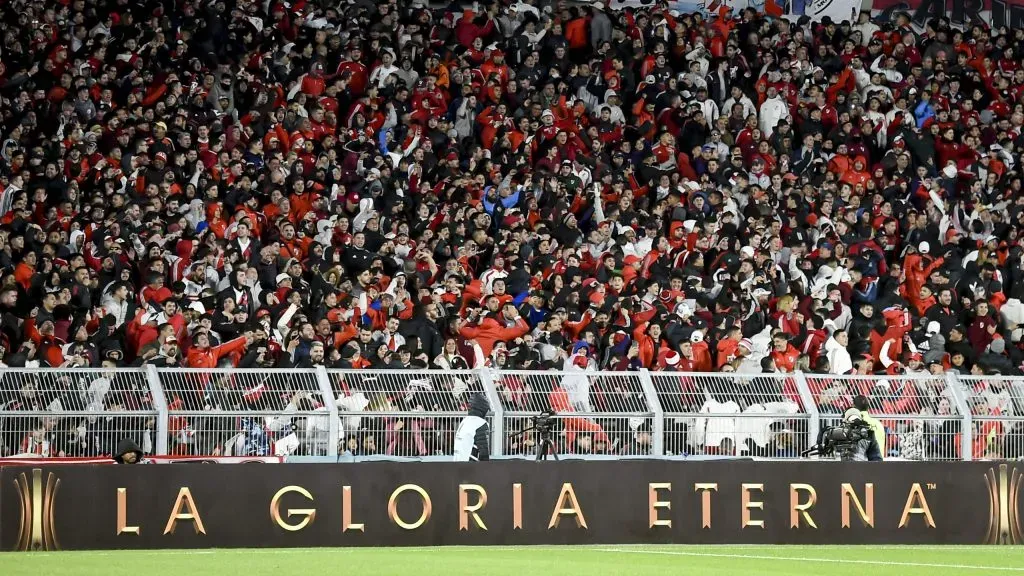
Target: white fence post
point(812, 409)
point(658, 424)
point(334, 426)
point(160, 403)
point(967, 444)
point(498, 427)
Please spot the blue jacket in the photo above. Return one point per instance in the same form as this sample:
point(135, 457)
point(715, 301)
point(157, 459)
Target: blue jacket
point(506, 202)
point(923, 112)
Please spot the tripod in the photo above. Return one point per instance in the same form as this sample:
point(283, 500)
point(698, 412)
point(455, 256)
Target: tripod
point(546, 446)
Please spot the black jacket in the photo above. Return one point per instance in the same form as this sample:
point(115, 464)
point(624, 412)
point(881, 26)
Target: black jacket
point(430, 337)
point(482, 439)
point(480, 450)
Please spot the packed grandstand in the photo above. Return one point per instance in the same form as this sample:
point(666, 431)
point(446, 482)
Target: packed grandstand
point(511, 187)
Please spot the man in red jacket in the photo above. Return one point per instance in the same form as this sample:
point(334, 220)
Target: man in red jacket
point(783, 353)
point(202, 355)
point(491, 330)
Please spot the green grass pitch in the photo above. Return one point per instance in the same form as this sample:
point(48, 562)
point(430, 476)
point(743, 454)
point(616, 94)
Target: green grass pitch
point(531, 560)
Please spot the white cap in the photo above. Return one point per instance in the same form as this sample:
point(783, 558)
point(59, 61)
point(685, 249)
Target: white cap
point(697, 336)
point(949, 171)
point(924, 247)
point(933, 328)
point(683, 310)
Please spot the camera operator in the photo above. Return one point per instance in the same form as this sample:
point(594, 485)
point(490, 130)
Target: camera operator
point(865, 447)
point(473, 438)
point(860, 402)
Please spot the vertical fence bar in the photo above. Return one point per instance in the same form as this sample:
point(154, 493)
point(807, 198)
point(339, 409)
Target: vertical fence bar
point(334, 426)
point(658, 424)
point(957, 391)
point(498, 421)
point(812, 409)
point(162, 412)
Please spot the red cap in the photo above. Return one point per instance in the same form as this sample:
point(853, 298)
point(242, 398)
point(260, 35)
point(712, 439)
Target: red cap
point(352, 198)
point(161, 156)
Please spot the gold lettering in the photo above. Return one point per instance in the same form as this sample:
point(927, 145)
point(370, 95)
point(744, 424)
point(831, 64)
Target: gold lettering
point(916, 504)
point(705, 501)
point(652, 499)
point(393, 507)
point(346, 511)
point(866, 511)
point(183, 501)
point(466, 509)
point(122, 514)
point(308, 514)
point(749, 505)
point(567, 493)
point(798, 509)
point(517, 506)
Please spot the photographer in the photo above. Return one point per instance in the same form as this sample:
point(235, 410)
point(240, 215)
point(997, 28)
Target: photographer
point(473, 437)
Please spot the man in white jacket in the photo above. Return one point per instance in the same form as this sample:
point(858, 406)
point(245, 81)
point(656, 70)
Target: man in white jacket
point(707, 105)
point(866, 27)
point(738, 97)
point(773, 110)
point(839, 361)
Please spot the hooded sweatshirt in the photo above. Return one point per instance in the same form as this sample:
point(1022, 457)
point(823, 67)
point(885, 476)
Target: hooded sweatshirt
point(473, 436)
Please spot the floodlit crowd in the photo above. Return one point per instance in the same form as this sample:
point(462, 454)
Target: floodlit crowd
point(528, 185)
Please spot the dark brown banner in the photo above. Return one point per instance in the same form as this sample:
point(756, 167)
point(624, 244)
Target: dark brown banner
point(374, 504)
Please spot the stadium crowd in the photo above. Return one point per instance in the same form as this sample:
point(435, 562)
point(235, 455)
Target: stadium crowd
point(528, 185)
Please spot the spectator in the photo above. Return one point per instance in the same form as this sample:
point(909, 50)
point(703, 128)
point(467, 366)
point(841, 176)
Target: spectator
point(287, 185)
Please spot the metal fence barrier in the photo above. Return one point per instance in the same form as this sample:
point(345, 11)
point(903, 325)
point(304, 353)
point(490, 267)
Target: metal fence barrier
point(401, 413)
point(732, 414)
point(319, 412)
point(596, 412)
point(922, 414)
point(77, 413)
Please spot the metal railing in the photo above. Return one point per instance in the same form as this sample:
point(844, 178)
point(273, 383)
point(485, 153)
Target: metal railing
point(922, 415)
point(733, 414)
point(401, 413)
point(319, 412)
point(78, 413)
point(596, 412)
